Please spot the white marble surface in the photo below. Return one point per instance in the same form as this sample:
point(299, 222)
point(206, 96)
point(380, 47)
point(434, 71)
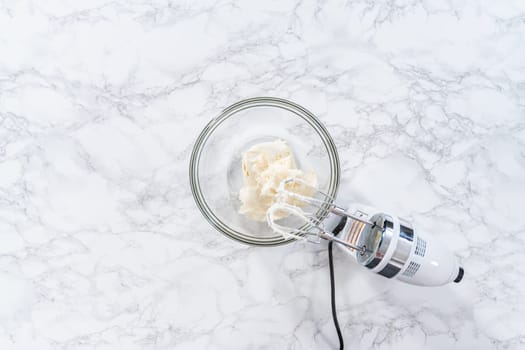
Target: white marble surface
point(102, 246)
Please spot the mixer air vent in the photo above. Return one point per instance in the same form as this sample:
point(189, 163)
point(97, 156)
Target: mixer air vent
point(411, 269)
point(421, 247)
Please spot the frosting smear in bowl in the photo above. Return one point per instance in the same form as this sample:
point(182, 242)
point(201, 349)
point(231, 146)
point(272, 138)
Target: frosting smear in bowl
point(265, 166)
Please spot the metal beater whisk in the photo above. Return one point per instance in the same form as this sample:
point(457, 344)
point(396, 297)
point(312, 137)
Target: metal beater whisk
point(323, 203)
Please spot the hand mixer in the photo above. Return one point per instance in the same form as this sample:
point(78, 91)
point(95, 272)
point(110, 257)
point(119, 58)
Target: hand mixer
point(383, 243)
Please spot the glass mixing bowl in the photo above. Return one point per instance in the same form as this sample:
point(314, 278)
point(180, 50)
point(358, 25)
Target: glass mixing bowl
point(215, 165)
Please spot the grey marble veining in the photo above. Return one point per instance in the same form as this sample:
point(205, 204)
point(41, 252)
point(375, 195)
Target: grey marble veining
point(102, 246)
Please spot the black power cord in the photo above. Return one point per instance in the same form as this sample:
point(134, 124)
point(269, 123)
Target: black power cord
point(336, 231)
point(332, 292)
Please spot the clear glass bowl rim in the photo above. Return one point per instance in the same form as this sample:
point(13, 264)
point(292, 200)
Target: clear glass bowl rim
point(230, 111)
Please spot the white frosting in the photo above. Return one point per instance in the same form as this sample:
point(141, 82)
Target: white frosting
point(265, 166)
